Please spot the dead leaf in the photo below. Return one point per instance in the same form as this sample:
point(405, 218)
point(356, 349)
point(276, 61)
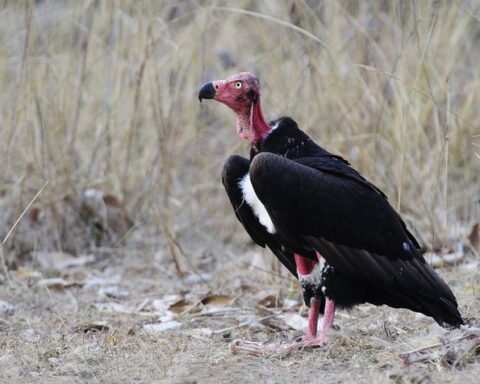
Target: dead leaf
point(93, 326)
point(176, 304)
point(166, 301)
point(117, 218)
point(175, 301)
point(180, 306)
point(57, 283)
point(216, 300)
point(269, 301)
point(474, 237)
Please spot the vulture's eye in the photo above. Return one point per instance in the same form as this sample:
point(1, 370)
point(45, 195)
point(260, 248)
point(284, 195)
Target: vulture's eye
point(238, 84)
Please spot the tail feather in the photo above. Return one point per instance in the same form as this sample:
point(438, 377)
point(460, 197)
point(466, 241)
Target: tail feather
point(449, 314)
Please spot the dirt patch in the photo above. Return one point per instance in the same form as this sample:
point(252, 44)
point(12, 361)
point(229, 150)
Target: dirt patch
point(122, 321)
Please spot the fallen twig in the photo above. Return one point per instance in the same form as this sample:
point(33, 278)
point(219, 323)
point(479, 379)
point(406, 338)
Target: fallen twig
point(252, 348)
point(443, 348)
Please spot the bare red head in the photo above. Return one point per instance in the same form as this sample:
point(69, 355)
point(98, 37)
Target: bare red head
point(241, 93)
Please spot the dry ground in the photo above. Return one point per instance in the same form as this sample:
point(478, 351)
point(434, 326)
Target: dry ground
point(103, 139)
point(78, 333)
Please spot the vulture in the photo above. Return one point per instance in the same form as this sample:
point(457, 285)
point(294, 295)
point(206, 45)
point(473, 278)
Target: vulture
point(329, 226)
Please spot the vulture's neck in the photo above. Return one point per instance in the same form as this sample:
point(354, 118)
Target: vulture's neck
point(251, 124)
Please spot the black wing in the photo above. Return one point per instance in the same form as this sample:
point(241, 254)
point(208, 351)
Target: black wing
point(336, 165)
point(328, 206)
point(234, 169)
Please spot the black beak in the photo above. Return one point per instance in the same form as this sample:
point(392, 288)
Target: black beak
point(206, 92)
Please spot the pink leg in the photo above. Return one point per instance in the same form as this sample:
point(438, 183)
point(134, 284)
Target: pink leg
point(317, 341)
point(313, 313)
point(329, 312)
point(304, 267)
point(328, 316)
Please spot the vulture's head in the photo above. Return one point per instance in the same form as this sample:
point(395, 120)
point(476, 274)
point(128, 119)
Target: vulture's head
point(241, 93)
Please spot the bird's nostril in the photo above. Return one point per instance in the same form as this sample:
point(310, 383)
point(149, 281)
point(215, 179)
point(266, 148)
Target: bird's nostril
point(216, 86)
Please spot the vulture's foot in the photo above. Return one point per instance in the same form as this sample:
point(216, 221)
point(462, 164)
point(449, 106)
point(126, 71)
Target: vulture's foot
point(309, 341)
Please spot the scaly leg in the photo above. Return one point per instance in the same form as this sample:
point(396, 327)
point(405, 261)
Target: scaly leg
point(313, 313)
point(310, 340)
point(306, 267)
point(306, 270)
point(309, 274)
point(327, 322)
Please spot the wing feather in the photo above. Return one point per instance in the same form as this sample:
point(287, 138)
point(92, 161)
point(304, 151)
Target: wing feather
point(354, 228)
point(234, 169)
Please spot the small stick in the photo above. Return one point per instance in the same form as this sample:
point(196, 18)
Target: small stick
point(428, 352)
point(25, 211)
point(238, 346)
point(248, 347)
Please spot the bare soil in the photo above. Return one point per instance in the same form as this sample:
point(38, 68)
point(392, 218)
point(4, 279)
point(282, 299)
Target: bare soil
point(98, 325)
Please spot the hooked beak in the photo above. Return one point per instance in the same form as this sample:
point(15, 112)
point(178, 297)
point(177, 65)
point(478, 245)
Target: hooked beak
point(206, 92)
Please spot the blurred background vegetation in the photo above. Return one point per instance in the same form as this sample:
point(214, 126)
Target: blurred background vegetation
point(98, 106)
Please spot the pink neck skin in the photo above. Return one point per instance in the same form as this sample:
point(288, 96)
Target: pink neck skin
point(251, 125)
point(304, 266)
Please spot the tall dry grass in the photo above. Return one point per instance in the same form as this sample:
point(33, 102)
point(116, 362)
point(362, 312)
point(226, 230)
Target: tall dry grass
point(102, 94)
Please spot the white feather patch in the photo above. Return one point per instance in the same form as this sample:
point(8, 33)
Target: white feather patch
point(315, 276)
point(254, 202)
point(275, 126)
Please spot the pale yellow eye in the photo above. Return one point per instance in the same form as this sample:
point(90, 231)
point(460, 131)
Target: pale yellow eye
point(238, 84)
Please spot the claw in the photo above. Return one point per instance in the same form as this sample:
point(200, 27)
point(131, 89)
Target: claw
point(309, 342)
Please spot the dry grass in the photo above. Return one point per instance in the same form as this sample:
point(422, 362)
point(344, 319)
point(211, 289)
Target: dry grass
point(102, 94)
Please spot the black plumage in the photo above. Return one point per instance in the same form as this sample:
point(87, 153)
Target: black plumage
point(235, 168)
point(319, 203)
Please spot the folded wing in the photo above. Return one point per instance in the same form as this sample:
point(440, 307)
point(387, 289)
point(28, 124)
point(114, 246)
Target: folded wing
point(324, 205)
point(235, 168)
